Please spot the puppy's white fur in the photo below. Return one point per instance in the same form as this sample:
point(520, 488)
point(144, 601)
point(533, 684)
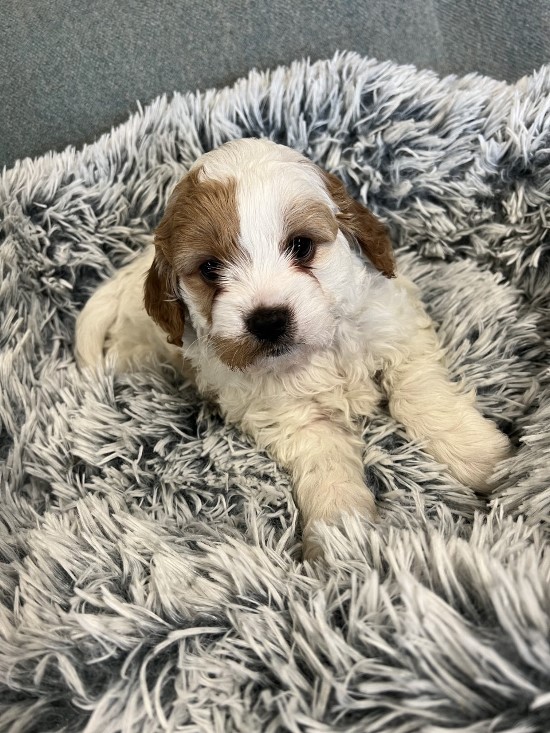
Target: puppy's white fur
point(352, 323)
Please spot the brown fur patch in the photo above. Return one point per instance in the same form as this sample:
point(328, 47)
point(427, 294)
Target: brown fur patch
point(358, 222)
point(310, 219)
point(237, 353)
point(314, 220)
point(201, 222)
point(161, 303)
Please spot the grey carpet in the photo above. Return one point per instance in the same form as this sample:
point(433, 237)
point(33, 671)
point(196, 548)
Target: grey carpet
point(150, 575)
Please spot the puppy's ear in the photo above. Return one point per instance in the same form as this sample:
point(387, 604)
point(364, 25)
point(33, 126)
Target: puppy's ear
point(160, 299)
point(361, 225)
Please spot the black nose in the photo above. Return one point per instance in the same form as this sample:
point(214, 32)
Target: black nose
point(269, 324)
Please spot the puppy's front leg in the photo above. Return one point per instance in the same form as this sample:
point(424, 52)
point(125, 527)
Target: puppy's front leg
point(324, 458)
point(423, 398)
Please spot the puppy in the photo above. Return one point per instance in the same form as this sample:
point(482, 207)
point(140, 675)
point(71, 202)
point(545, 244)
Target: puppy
point(279, 292)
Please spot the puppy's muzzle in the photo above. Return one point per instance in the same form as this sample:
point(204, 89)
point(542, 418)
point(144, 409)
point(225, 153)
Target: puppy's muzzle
point(271, 325)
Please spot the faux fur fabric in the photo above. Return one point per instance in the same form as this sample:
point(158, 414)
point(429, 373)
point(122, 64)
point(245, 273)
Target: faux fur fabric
point(150, 570)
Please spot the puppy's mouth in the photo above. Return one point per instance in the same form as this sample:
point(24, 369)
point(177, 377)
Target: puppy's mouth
point(242, 353)
point(276, 350)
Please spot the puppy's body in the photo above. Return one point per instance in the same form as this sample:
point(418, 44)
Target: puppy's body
point(290, 346)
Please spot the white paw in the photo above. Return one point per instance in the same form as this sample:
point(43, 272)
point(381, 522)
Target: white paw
point(311, 547)
point(473, 454)
point(335, 502)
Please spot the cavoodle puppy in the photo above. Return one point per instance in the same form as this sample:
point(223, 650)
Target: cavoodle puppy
point(279, 293)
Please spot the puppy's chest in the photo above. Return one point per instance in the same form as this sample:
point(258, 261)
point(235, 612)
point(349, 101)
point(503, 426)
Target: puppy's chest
point(338, 385)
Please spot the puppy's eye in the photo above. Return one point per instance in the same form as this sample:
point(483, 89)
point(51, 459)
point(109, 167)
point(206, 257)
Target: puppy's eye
point(301, 248)
point(211, 270)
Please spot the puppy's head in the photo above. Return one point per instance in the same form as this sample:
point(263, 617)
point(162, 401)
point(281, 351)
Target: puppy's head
point(254, 244)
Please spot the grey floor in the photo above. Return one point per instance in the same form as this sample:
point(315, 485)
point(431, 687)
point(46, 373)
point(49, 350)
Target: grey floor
point(72, 69)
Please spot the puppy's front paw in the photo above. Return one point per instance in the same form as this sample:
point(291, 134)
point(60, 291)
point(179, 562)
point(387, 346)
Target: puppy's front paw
point(473, 455)
point(333, 503)
point(311, 547)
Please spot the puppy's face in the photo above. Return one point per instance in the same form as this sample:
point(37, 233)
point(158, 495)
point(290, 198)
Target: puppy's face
point(254, 244)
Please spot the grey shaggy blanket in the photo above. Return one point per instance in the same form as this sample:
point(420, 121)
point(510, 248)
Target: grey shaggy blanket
point(150, 571)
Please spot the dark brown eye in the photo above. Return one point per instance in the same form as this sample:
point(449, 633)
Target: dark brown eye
point(301, 248)
point(211, 270)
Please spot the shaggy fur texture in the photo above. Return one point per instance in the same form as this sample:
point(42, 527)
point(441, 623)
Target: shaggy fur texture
point(149, 576)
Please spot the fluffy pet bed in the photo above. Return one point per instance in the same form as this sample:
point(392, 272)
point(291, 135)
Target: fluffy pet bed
point(151, 576)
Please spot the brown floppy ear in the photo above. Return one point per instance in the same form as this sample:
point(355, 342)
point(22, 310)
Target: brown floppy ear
point(360, 224)
point(160, 299)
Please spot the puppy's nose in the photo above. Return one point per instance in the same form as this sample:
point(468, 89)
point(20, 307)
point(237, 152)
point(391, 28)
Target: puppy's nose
point(269, 324)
